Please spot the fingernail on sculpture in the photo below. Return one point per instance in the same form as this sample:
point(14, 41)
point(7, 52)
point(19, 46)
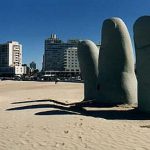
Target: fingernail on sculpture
point(116, 80)
point(142, 45)
point(88, 60)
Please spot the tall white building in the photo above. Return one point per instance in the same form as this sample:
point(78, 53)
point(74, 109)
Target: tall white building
point(11, 58)
point(15, 53)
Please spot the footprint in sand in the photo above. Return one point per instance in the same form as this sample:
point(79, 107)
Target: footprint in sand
point(78, 124)
point(66, 131)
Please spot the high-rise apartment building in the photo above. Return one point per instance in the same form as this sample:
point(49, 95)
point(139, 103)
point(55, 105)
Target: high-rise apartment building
point(56, 54)
point(71, 62)
point(11, 58)
point(33, 66)
point(53, 55)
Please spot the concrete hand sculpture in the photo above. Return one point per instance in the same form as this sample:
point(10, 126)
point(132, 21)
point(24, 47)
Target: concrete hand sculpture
point(116, 82)
point(88, 60)
point(142, 45)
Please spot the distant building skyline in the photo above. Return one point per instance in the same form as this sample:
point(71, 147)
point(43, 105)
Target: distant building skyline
point(31, 21)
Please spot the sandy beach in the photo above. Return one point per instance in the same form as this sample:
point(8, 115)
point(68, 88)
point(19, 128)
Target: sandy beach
point(30, 119)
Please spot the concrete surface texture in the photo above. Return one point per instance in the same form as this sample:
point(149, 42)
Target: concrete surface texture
point(142, 45)
point(88, 60)
point(117, 82)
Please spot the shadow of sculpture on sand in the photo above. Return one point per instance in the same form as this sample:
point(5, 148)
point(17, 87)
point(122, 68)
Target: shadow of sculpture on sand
point(83, 108)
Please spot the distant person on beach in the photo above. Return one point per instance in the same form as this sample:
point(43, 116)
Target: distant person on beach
point(56, 80)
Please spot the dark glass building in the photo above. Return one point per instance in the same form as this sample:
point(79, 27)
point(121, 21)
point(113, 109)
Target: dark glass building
point(53, 59)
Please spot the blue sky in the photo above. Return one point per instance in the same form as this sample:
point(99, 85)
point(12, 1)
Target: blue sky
point(32, 21)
